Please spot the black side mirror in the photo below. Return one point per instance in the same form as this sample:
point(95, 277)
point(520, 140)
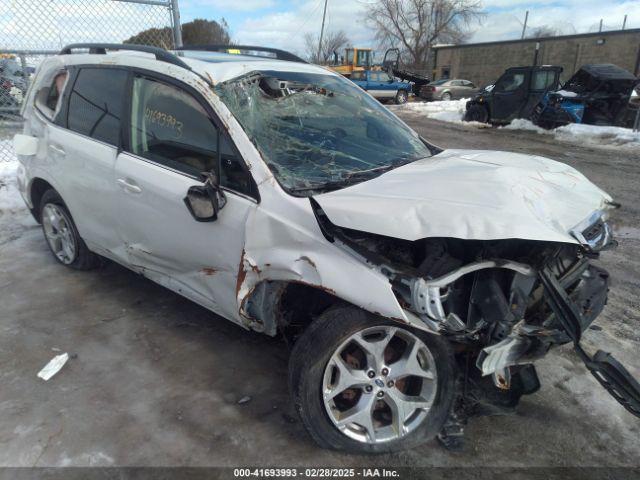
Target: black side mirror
point(205, 201)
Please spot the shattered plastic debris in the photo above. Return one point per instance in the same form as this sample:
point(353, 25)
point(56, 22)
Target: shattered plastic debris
point(53, 367)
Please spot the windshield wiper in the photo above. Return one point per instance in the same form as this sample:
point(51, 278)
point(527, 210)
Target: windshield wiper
point(358, 176)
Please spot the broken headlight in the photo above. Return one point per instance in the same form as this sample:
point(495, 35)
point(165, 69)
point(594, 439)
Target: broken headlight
point(594, 233)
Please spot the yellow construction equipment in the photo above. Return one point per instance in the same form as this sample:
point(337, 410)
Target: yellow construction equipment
point(354, 60)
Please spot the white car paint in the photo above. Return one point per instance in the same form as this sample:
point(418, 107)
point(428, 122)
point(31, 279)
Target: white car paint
point(480, 195)
point(474, 195)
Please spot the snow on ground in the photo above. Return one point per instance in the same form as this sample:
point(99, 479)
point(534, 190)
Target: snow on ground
point(599, 136)
point(445, 110)
point(594, 135)
point(10, 199)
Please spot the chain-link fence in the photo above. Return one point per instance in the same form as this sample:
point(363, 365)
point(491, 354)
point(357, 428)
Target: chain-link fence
point(32, 29)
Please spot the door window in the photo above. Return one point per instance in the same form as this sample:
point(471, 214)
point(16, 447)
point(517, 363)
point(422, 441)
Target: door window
point(358, 76)
point(543, 79)
point(510, 82)
point(95, 103)
point(169, 126)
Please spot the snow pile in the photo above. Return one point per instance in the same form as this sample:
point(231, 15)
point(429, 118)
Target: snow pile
point(446, 110)
point(10, 198)
point(599, 135)
point(594, 135)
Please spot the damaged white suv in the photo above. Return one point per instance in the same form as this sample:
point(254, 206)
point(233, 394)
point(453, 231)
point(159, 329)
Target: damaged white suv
point(418, 284)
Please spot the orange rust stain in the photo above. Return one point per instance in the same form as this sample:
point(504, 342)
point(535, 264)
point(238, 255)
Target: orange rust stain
point(208, 271)
point(242, 273)
point(256, 269)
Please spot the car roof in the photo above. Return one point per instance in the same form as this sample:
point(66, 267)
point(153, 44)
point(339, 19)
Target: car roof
point(607, 71)
point(216, 66)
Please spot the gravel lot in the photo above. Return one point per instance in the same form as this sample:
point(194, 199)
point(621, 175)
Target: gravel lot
point(157, 379)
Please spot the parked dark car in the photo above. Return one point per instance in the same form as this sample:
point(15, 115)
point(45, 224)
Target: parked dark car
point(448, 89)
point(515, 94)
point(596, 94)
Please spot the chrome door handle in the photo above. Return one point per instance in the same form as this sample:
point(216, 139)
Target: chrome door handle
point(129, 186)
point(58, 150)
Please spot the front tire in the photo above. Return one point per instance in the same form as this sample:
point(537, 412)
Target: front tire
point(401, 97)
point(62, 236)
point(476, 113)
point(361, 383)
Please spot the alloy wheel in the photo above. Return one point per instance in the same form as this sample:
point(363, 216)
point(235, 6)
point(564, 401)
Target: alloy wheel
point(59, 233)
point(379, 384)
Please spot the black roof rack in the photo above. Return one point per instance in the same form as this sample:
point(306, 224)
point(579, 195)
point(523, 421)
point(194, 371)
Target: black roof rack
point(246, 50)
point(101, 48)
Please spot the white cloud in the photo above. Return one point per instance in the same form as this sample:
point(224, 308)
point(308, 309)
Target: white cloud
point(286, 30)
point(569, 16)
point(222, 7)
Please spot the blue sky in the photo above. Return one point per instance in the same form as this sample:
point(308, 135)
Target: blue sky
point(283, 23)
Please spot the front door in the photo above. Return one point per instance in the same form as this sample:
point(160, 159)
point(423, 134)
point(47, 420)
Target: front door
point(509, 96)
point(172, 138)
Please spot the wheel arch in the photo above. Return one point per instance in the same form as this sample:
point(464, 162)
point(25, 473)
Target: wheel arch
point(36, 191)
point(290, 306)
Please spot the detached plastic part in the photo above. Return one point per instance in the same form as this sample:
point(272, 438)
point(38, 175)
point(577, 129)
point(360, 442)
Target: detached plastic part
point(608, 371)
point(53, 367)
point(616, 380)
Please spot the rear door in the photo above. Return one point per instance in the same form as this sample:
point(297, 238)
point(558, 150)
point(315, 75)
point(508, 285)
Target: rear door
point(172, 137)
point(83, 150)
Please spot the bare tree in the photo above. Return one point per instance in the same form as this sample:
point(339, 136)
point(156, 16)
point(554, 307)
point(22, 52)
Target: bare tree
point(199, 31)
point(543, 32)
point(332, 41)
point(415, 25)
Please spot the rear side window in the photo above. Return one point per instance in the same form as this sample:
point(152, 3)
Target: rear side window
point(96, 103)
point(543, 79)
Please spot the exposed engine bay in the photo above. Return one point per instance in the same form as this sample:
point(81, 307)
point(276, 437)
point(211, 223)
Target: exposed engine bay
point(502, 304)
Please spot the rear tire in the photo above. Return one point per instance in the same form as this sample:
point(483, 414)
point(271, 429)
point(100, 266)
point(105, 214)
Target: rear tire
point(446, 96)
point(326, 406)
point(61, 234)
point(476, 113)
point(401, 97)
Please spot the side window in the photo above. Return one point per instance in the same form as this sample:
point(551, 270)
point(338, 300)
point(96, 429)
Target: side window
point(169, 126)
point(377, 77)
point(510, 82)
point(358, 76)
point(95, 103)
point(48, 98)
point(543, 79)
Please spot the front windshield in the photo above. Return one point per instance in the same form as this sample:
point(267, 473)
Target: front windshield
point(318, 132)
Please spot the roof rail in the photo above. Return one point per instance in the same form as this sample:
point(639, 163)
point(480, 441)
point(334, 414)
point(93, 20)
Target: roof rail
point(101, 48)
point(245, 50)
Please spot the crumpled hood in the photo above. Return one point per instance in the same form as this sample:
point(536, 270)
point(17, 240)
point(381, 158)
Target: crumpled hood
point(469, 194)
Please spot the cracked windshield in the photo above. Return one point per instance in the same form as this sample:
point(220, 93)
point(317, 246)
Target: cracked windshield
point(318, 132)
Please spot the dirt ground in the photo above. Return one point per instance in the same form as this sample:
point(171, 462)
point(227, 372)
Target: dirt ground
point(156, 380)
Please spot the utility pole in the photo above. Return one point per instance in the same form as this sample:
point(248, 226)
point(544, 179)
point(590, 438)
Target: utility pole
point(177, 28)
point(524, 28)
point(322, 29)
point(624, 22)
point(600, 29)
